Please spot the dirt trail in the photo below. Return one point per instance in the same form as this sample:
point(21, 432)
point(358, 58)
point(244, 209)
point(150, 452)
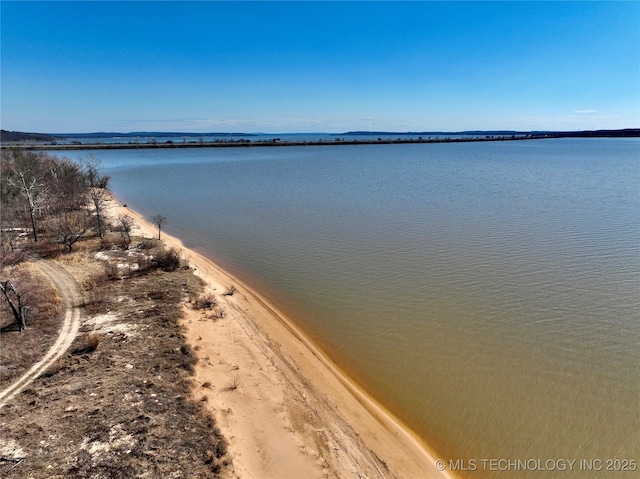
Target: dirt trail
point(72, 299)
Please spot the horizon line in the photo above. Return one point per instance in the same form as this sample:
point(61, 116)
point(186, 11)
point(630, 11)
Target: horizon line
point(361, 132)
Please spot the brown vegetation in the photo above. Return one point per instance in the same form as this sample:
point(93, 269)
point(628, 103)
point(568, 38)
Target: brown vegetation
point(48, 206)
point(118, 403)
point(17, 354)
point(48, 200)
point(204, 301)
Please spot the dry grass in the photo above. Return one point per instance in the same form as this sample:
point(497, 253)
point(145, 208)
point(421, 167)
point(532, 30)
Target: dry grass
point(119, 404)
point(21, 349)
point(234, 384)
point(91, 343)
point(205, 301)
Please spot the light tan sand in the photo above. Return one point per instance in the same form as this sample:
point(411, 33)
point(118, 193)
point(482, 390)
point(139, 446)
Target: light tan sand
point(285, 408)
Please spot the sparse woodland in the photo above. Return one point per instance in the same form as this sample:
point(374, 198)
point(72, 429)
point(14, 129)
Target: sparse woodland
point(47, 206)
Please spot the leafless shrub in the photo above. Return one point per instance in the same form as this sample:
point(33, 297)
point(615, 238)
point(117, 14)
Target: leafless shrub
point(108, 241)
point(205, 301)
point(234, 384)
point(98, 279)
point(230, 290)
point(167, 259)
point(125, 223)
point(217, 313)
point(111, 270)
point(96, 300)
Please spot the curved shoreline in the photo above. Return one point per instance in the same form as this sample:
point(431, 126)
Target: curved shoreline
point(317, 404)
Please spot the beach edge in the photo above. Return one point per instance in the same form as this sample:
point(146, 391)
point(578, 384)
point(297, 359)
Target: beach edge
point(377, 442)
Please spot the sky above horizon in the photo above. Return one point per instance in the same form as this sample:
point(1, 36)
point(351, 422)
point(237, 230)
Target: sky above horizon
point(319, 67)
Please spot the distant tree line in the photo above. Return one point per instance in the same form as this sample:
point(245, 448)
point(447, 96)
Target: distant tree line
point(22, 136)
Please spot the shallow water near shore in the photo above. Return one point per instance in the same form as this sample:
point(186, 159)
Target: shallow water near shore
point(487, 294)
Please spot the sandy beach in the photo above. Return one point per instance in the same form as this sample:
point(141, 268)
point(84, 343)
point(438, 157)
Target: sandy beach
point(286, 409)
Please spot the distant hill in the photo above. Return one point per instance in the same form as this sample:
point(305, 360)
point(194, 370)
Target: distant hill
point(627, 132)
point(145, 134)
point(17, 136)
point(436, 133)
point(22, 136)
point(624, 133)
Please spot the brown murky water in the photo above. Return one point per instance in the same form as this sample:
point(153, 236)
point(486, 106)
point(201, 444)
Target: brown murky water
point(487, 294)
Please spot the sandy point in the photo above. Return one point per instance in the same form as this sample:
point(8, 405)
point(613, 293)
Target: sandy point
point(286, 409)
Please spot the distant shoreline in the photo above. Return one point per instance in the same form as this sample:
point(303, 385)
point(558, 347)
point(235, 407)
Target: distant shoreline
point(244, 143)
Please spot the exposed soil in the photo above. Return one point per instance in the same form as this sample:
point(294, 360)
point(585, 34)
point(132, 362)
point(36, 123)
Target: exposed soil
point(72, 297)
point(19, 351)
point(118, 402)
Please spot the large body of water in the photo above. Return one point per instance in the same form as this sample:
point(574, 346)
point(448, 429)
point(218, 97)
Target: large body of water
point(486, 293)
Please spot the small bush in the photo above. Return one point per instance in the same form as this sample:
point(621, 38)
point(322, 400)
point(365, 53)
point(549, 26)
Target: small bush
point(97, 280)
point(234, 384)
point(229, 292)
point(167, 260)
point(205, 301)
point(93, 340)
point(111, 270)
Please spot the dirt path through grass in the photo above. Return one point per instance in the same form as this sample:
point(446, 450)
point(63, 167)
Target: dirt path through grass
point(72, 299)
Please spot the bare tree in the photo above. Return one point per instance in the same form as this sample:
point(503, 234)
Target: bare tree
point(68, 185)
point(158, 220)
point(91, 168)
point(125, 223)
point(37, 185)
point(16, 303)
point(97, 184)
point(33, 191)
point(98, 197)
point(70, 228)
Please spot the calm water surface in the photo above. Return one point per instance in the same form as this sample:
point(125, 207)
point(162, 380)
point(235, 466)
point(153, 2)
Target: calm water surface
point(488, 294)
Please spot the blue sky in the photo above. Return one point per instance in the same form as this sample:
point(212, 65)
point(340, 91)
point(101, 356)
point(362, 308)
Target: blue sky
point(319, 67)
